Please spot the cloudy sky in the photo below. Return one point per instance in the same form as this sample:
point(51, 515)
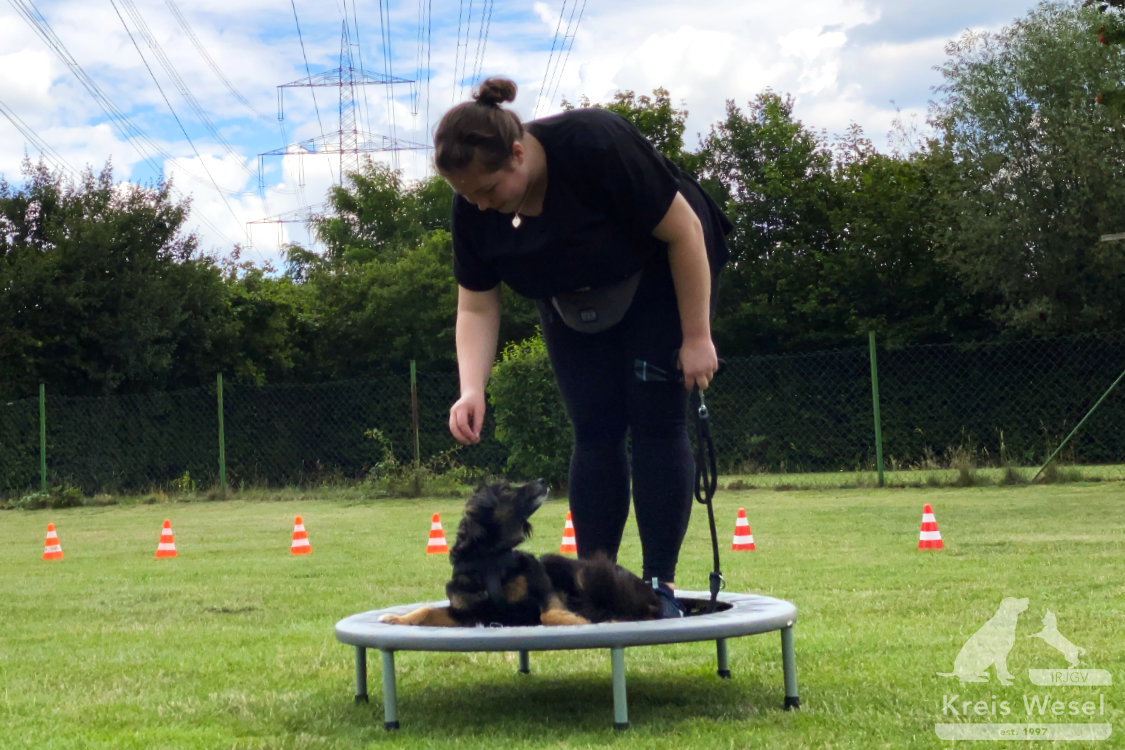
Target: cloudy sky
point(192, 89)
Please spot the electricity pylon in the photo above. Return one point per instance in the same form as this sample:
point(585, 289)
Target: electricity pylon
point(349, 141)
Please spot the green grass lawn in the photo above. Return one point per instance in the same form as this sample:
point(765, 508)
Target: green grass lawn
point(231, 644)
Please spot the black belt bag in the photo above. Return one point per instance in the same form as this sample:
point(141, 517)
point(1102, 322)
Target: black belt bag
point(595, 309)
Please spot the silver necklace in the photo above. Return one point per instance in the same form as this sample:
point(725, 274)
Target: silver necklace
point(516, 219)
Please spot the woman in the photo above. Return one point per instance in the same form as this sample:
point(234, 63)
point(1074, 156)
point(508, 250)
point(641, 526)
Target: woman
point(620, 250)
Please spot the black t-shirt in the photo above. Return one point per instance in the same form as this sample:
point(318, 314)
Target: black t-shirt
point(607, 189)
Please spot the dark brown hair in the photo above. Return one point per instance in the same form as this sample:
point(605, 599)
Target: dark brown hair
point(480, 129)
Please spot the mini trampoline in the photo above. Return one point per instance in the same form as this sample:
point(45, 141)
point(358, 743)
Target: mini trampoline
point(737, 615)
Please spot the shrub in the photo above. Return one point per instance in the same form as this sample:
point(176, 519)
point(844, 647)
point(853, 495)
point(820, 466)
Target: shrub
point(439, 475)
point(60, 496)
point(528, 410)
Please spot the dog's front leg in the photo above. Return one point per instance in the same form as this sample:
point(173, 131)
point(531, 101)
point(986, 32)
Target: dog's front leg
point(562, 617)
point(432, 616)
point(557, 614)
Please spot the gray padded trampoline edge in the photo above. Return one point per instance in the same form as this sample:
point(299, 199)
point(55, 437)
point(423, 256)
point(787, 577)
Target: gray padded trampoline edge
point(748, 614)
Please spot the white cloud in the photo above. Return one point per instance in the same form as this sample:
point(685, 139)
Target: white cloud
point(842, 60)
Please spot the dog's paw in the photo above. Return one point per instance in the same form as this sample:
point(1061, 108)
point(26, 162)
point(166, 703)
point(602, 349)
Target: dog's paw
point(562, 617)
point(394, 620)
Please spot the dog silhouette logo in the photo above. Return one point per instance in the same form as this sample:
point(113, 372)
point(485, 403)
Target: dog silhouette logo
point(989, 646)
point(1052, 637)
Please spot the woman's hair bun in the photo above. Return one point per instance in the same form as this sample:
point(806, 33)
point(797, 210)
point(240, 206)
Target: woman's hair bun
point(495, 91)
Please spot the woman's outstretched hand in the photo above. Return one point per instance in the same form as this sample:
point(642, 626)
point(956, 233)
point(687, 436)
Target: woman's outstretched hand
point(466, 417)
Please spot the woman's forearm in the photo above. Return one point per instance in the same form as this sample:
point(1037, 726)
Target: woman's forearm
point(691, 275)
point(477, 331)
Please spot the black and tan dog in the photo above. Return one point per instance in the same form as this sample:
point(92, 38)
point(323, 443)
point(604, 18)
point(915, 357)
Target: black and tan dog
point(494, 584)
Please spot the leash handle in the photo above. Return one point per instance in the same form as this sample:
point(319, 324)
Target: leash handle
point(706, 473)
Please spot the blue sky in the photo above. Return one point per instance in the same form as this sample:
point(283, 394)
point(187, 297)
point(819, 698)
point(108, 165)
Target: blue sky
point(191, 86)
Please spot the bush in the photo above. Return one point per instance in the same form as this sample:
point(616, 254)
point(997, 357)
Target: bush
point(61, 496)
point(440, 475)
point(528, 411)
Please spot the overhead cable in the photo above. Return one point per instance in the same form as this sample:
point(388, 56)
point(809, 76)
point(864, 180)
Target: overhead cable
point(202, 161)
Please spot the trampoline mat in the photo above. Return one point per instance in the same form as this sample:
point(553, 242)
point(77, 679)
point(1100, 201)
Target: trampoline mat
point(737, 615)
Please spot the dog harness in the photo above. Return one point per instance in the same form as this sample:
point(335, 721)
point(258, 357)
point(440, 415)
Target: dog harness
point(491, 568)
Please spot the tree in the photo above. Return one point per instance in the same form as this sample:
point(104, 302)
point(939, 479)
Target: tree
point(374, 216)
point(265, 329)
point(103, 288)
point(1031, 171)
point(1111, 33)
point(383, 293)
point(656, 119)
point(776, 184)
point(885, 263)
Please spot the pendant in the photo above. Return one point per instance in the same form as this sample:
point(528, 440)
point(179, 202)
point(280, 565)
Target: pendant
point(516, 221)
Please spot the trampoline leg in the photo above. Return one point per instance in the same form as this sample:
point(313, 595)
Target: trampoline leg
point(525, 663)
point(360, 674)
point(721, 652)
point(789, 665)
point(620, 704)
point(390, 702)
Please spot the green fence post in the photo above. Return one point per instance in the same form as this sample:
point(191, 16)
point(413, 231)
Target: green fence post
point(414, 412)
point(222, 439)
point(42, 437)
point(875, 406)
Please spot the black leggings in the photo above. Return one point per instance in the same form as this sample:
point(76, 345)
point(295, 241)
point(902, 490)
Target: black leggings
point(606, 402)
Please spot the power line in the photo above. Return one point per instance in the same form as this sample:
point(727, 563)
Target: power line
point(120, 122)
point(359, 50)
point(190, 32)
point(308, 71)
point(550, 59)
point(458, 84)
point(388, 68)
point(429, 66)
point(562, 42)
point(174, 76)
point(421, 46)
point(42, 146)
point(202, 161)
point(482, 38)
point(568, 42)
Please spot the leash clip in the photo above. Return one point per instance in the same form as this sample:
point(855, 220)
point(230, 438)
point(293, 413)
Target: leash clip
point(702, 406)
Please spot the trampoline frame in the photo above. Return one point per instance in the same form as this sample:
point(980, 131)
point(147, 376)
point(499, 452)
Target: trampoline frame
point(744, 614)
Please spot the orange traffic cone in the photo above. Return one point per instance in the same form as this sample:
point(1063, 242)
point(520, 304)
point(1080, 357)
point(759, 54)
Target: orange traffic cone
point(300, 544)
point(743, 537)
point(569, 543)
point(436, 544)
point(929, 537)
point(52, 550)
point(167, 545)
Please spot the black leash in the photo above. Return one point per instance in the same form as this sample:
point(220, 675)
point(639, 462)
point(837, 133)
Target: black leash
point(706, 472)
point(706, 482)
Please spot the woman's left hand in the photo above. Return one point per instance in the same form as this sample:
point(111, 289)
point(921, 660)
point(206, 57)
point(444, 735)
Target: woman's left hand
point(698, 361)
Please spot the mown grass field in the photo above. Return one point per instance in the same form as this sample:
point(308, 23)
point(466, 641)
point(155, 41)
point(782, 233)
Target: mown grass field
point(231, 644)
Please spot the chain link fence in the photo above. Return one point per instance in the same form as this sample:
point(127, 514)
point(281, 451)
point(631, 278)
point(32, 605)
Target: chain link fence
point(1001, 403)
